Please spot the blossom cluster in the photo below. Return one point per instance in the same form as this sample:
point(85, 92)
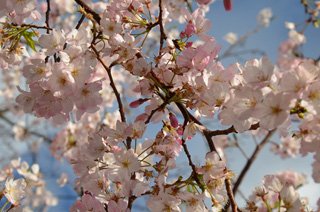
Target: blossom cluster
point(279, 191)
point(75, 71)
point(29, 191)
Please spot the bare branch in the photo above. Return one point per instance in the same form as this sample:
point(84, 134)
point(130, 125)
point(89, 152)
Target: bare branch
point(112, 84)
point(48, 15)
point(45, 138)
point(162, 33)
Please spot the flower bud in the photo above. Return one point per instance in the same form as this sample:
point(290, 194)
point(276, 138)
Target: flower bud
point(173, 120)
point(227, 4)
point(137, 103)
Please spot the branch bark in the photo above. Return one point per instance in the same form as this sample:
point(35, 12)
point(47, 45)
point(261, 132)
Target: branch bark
point(249, 163)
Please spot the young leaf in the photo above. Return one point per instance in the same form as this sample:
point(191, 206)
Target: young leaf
point(28, 36)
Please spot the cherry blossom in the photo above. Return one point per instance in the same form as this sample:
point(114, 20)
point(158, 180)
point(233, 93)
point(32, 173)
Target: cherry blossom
point(15, 190)
point(91, 59)
point(274, 110)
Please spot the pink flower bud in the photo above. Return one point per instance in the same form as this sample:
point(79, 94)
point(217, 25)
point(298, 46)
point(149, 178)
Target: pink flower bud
point(204, 2)
point(173, 120)
point(137, 103)
point(141, 117)
point(227, 4)
point(190, 29)
point(189, 44)
point(182, 34)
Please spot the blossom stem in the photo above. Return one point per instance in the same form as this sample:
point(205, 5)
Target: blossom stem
point(3, 207)
point(95, 15)
point(145, 150)
point(268, 206)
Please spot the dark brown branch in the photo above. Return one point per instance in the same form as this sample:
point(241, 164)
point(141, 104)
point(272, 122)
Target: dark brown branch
point(131, 200)
point(208, 135)
point(231, 130)
point(48, 15)
point(47, 22)
point(80, 21)
point(252, 158)
point(195, 176)
point(162, 33)
point(112, 84)
point(162, 106)
point(115, 90)
point(234, 206)
point(95, 15)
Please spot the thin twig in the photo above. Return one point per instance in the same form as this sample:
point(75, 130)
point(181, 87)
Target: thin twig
point(95, 15)
point(231, 130)
point(47, 23)
point(35, 26)
point(80, 21)
point(241, 149)
point(249, 163)
point(115, 90)
point(26, 130)
point(234, 206)
point(252, 158)
point(112, 84)
point(162, 33)
point(77, 27)
point(212, 147)
point(239, 41)
point(195, 176)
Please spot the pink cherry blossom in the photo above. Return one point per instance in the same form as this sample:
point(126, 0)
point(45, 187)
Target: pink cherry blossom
point(214, 166)
point(52, 43)
point(272, 183)
point(120, 206)
point(163, 202)
point(88, 98)
point(258, 73)
point(89, 203)
point(126, 162)
point(191, 129)
point(274, 110)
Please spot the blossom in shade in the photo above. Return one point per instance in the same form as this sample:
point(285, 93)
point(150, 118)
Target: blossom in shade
point(88, 203)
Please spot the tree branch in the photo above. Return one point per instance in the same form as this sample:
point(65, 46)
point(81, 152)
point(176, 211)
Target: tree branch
point(195, 176)
point(114, 88)
point(48, 15)
point(162, 33)
point(95, 15)
point(231, 130)
point(45, 138)
point(249, 163)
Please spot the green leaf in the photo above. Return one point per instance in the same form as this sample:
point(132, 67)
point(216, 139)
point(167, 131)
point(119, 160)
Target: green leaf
point(28, 36)
point(189, 188)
